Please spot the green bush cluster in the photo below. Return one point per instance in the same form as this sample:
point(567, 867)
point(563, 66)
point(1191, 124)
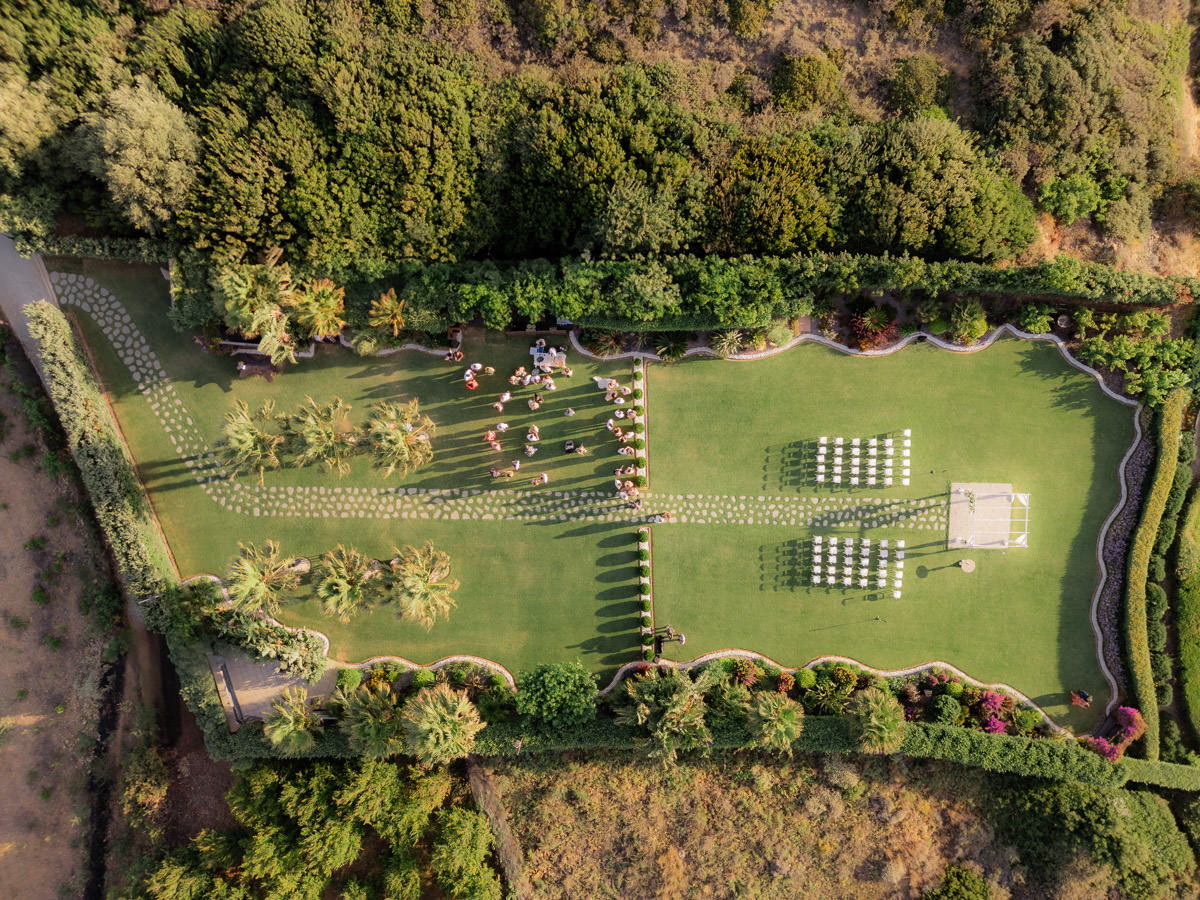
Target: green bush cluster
point(704, 292)
point(118, 499)
point(1136, 631)
point(1187, 615)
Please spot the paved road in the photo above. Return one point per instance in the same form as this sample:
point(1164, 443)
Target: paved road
point(22, 281)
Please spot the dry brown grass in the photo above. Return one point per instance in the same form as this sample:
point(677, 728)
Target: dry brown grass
point(745, 826)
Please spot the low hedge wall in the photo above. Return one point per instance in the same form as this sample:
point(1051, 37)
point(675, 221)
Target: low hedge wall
point(121, 506)
point(1161, 774)
point(1187, 615)
point(1137, 646)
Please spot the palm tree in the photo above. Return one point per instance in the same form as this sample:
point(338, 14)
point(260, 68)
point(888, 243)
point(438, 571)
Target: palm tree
point(387, 312)
point(775, 721)
point(670, 706)
point(319, 309)
point(344, 582)
point(258, 577)
point(420, 584)
point(293, 725)
point(400, 436)
point(372, 721)
point(252, 439)
point(244, 288)
point(440, 724)
point(877, 721)
point(323, 435)
point(270, 324)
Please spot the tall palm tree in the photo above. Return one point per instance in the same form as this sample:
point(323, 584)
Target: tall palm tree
point(293, 725)
point(671, 707)
point(387, 312)
point(877, 721)
point(372, 721)
point(270, 323)
point(244, 288)
point(400, 436)
point(775, 721)
point(253, 439)
point(322, 434)
point(343, 585)
point(319, 308)
point(440, 724)
point(421, 584)
point(259, 576)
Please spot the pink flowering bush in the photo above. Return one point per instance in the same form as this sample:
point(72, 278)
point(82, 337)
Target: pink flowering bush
point(1104, 747)
point(1131, 723)
point(991, 702)
point(993, 725)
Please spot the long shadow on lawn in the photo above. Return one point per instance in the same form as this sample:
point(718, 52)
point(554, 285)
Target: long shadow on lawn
point(617, 609)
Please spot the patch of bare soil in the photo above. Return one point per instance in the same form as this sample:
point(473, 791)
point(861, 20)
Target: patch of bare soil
point(747, 826)
point(196, 797)
point(49, 671)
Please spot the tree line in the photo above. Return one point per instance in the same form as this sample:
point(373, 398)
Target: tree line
point(338, 130)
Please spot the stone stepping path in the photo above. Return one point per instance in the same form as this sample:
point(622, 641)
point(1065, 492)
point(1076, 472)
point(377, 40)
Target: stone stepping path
point(398, 502)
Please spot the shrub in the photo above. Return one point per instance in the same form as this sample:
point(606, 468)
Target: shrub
point(645, 604)
point(947, 710)
point(1136, 637)
point(643, 534)
point(557, 695)
point(959, 883)
point(637, 394)
point(460, 854)
point(744, 671)
point(1158, 568)
point(648, 655)
point(967, 321)
point(1036, 318)
point(639, 444)
point(805, 679)
point(779, 335)
point(423, 678)
point(348, 680)
point(954, 689)
point(643, 554)
point(639, 427)
point(876, 721)
point(646, 622)
point(644, 571)
point(785, 683)
point(802, 82)
point(915, 83)
point(647, 640)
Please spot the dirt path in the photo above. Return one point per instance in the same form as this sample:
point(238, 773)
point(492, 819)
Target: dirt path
point(508, 851)
point(49, 672)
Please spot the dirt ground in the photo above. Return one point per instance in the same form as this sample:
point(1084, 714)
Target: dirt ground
point(49, 668)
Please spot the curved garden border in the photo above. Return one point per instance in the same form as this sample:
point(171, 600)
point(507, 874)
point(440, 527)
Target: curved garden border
point(987, 341)
point(625, 670)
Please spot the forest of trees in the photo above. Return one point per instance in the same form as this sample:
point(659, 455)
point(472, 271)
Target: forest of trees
point(351, 134)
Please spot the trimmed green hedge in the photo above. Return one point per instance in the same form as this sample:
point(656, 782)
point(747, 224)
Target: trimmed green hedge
point(1161, 774)
point(1187, 615)
point(121, 506)
point(690, 292)
point(1137, 644)
point(129, 249)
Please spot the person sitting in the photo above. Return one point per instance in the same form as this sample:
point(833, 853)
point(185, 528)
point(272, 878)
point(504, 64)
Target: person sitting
point(520, 372)
point(490, 436)
point(530, 449)
point(534, 404)
point(626, 451)
point(581, 450)
point(498, 406)
point(568, 446)
point(534, 434)
point(540, 343)
point(472, 384)
point(514, 380)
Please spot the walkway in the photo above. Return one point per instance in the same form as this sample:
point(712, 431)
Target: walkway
point(22, 281)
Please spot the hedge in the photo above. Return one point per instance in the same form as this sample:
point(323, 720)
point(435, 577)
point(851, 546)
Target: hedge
point(121, 506)
point(687, 292)
point(1161, 774)
point(1187, 616)
point(128, 249)
point(1137, 645)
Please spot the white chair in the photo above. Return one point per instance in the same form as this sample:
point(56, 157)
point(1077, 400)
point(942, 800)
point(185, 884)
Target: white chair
point(871, 480)
point(887, 442)
point(904, 481)
point(906, 471)
point(833, 539)
point(837, 479)
point(898, 583)
point(838, 441)
point(866, 552)
point(816, 570)
point(883, 554)
point(847, 571)
point(900, 567)
point(873, 452)
point(854, 479)
point(829, 579)
point(848, 581)
point(854, 469)
point(816, 579)
point(872, 442)
point(854, 441)
point(900, 544)
point(862, 582)
point(908, 432)
point(866, 542)
point(883, 543)
point(820, 469)
point(820, 479)
point(899, 554)
point(864, 572)
point(887, 471)
point(837, 468)
point(887, 482)
point(881, 583)
point(817, 539)
point(822, 440)
point(895, 594)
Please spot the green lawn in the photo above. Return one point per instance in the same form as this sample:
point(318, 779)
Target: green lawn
point(548, 587)
point(1015, 412)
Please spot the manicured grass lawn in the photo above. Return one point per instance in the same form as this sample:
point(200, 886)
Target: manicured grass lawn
point(1015, 412)
point(531, 590)
point(548, 588)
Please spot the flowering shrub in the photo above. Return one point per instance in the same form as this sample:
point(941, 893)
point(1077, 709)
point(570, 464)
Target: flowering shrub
point(786, 682)
point(1102, 746)
point(1132, 725)
point(991, 702)
point(745, 671)
point(993, 725)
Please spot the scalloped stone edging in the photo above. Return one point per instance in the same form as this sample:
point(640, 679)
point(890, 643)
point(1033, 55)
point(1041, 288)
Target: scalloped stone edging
point(367, 663)
point(623, 672)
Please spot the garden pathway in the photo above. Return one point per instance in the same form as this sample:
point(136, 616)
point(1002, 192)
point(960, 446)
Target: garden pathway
point(827, 510)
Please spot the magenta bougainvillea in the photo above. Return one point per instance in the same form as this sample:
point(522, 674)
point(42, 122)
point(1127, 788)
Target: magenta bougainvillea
point(1104, 747)
point(993, 725)
point(991, 702)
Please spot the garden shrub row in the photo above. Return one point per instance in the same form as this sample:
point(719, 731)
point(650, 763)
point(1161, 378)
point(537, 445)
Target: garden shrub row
point(1161, 774)
point(685, 292)
point(94, 439)
point(127, 249)
point(1187, 615)
point(1137, 645)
